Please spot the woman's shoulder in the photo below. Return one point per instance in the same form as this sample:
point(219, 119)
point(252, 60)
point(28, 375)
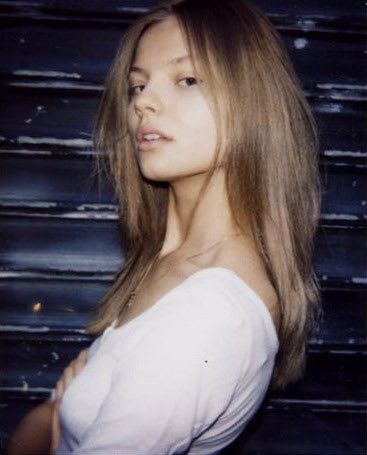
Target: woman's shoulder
point(222, 293)
point(239, 263)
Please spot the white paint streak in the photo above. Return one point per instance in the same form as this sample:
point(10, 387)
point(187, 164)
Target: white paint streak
point(337, 216)
point(329, 86)
point(359, 280)
point(306, 24)
point(29, 389)
point(54, 141)
point(97, 207)
point(330, 107)
point(103, 276)
point(54, 74)
point(36, 204)
point(104, 216)
point(23, 328)
point(344, 153)
point(26, 152)
point(67, 85)
point(131, 9)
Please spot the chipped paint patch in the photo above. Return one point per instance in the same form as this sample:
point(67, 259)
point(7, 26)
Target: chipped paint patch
point(55, 355)
point(300, 43)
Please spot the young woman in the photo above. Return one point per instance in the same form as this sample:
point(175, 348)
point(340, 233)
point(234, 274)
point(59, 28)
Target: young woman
point(213, 150)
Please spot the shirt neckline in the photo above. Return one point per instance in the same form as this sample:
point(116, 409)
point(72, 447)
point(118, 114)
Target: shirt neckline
point(255, 297)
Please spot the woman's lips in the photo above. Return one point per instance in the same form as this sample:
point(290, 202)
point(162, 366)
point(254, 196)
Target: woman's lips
point(146, 145)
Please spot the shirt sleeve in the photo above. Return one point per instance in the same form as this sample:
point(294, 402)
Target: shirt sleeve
point(177, 380)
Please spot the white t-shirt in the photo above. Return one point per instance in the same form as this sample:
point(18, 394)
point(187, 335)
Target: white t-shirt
point(185, 376)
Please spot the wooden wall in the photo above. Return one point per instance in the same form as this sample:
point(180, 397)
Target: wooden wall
point(59, 242)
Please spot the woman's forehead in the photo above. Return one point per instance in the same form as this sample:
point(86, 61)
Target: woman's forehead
point(164, 42)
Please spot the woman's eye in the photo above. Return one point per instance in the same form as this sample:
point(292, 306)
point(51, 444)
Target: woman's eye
point(190, 80)
point(132, 90)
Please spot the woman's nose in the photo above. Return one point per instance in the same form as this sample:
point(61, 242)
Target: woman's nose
point(147, 101)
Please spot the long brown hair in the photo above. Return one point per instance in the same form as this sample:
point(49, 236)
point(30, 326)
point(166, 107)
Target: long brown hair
point(271, 166)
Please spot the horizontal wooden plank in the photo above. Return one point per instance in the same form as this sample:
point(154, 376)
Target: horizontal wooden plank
point(291, 431)
point(333, 258)
point(31, 51)
point(40, 119)
point(59, 302)
point(327, 17)
point(327, 8)
point(60, 245)
point(31, 302)
point(275, 429)
point(94, 246)
point(34, 363)
point(65, 184)
point(344, 321)
point(42, 124)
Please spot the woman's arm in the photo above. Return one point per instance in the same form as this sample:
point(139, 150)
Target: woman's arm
point(32, 436)
point(38, 433)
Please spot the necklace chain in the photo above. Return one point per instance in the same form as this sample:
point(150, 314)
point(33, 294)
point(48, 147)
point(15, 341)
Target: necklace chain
point(136, 291)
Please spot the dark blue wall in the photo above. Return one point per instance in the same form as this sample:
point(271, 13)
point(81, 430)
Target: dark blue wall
point(59, 242)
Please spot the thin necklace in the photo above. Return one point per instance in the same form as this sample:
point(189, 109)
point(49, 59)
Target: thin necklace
point(136, 291)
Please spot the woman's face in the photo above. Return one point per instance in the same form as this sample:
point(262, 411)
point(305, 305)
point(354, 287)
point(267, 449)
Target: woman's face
point(165, 97)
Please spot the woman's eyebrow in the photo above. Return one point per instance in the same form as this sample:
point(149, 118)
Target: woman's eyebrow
point(173, 61)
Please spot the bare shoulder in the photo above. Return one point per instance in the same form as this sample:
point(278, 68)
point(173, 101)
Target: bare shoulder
point(242, 258)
